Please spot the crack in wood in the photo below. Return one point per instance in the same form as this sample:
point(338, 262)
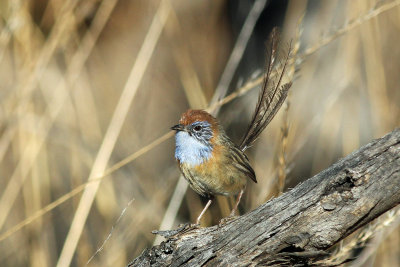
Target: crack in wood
point(286, 231)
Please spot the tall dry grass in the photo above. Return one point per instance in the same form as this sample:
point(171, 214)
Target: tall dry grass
point(90, 88)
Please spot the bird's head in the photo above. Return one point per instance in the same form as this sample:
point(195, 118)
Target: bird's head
point(194, 136)
point(198, 124)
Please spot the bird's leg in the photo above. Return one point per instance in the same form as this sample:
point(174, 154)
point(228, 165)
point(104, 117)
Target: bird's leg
point(204, 210)
point(237, 203)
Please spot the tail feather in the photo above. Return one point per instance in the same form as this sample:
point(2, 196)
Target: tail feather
point(271, 96)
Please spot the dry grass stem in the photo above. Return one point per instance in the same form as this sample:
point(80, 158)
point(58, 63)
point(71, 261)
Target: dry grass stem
point(237, 53)
point(111, 135)
point(91, 88)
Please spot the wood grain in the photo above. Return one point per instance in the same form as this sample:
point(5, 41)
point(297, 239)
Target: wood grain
point(297, 227)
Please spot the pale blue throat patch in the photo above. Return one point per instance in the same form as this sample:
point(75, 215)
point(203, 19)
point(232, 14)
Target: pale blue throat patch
point(189, 150)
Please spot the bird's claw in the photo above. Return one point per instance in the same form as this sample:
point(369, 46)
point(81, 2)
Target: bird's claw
point(182, 228)
point(227, 219)
point(188, 226)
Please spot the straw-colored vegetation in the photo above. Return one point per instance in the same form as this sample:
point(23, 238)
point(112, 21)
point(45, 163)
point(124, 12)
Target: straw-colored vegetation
point(90, 88)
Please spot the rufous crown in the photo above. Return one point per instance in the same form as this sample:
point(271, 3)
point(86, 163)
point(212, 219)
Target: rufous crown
point(193, 115)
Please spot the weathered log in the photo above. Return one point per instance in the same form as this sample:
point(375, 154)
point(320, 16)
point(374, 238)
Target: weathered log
point(297, 227)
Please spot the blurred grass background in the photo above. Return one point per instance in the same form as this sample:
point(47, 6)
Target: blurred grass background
point(88, 85)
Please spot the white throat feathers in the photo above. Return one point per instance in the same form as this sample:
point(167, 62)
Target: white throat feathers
point(189, 150)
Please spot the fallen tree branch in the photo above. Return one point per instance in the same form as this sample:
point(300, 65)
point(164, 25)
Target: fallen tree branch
point(297, 227)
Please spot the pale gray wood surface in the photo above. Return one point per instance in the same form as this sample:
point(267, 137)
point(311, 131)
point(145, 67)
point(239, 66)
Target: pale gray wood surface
point(297, 227)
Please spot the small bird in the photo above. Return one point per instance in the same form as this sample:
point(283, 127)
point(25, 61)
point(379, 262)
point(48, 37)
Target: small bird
point(209, 160)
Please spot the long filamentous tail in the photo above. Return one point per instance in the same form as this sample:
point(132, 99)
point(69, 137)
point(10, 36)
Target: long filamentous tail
point(271, 96)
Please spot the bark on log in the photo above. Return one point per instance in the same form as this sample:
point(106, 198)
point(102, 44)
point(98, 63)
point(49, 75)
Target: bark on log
point(297, 227)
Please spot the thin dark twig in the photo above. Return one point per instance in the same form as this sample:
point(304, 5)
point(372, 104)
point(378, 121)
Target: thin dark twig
point(237, 52)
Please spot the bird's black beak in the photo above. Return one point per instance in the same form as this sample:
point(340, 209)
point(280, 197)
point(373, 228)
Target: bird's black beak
point(178, 127)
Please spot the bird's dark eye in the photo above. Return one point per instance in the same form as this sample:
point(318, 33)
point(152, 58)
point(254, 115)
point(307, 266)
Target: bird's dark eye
point(197, 128)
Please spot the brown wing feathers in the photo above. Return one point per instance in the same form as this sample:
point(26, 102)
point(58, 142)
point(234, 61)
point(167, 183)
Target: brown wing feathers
point(241, 162)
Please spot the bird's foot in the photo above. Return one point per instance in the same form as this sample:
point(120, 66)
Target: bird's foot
point(188, 226)
point(182, 228)
point(227, 219)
